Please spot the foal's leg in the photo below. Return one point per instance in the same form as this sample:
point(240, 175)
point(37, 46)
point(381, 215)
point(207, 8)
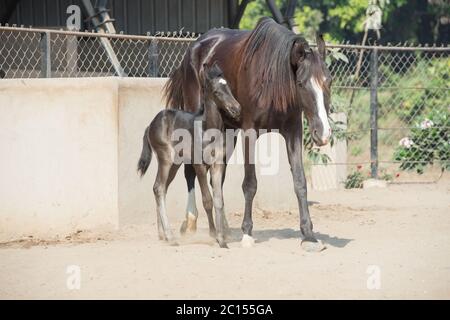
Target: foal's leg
point(225, 222)
point(190, 223)
point(165, 175)
point(206, 197)
point(294, 151)
point(229, 148)
point(249, 186)
point(216, 180)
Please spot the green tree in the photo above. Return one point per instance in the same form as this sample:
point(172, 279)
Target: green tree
point(420, 21)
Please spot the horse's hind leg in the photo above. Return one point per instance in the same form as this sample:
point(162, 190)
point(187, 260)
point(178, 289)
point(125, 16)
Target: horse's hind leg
point(165, 175)
point(190, 223)
point(206, 197)
point(216, 180)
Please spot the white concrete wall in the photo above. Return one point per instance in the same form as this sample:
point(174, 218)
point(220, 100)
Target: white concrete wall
point(58, 156)
point(69, 151)
point(332, 175)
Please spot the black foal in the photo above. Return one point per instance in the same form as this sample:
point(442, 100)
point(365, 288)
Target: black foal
point(202, 144)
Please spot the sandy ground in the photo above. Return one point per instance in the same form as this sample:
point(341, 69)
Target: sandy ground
point(397, 240)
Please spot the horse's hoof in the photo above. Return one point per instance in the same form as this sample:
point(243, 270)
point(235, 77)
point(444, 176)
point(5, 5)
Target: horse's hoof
point(183, 227)
point(310, 246)
point(247, 241)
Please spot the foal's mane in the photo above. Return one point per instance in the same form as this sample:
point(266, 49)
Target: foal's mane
point(273, 80)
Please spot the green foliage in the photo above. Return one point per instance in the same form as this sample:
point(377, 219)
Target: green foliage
point(428, 142)
point(386, 176)
point(354, 180)
point(356, 151)
point(312, 152)
point(426, 74)
point(254, 11)
point(335, 54)
point(344, 19)
point(349, 17)
point(308, 21)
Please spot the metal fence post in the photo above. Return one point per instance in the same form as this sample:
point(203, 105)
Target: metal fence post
point(374, 114)
point(46, 66)
point(153, 64)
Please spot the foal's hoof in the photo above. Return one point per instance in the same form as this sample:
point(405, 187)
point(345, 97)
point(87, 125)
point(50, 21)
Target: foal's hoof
point(189, 226)
point(247, 241)
point(223, 245)
point(310, 246)
point(212, 233)
point(227, 233)
point(227, 230)
point(183, 227)
point(173, 243)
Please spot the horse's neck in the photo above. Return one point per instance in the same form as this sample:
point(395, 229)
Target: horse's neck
point(211, 115)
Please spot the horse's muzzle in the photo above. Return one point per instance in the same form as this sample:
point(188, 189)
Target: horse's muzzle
point(321, 139)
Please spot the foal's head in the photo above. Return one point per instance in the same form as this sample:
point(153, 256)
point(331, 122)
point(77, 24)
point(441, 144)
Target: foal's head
point(313, 80)
point(217, 89)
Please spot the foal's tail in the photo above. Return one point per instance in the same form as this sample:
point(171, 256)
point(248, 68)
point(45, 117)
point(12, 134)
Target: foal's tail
point(146, 154)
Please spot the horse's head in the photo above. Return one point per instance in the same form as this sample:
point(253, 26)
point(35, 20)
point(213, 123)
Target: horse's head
point(216, 87)
point(313, 80)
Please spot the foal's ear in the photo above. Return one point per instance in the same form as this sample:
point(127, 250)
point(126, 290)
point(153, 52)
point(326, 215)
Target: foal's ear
point(298, 52)
point(203, 73)
point(321, 45)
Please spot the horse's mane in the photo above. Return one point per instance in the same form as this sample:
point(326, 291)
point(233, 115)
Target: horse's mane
point(269, 49)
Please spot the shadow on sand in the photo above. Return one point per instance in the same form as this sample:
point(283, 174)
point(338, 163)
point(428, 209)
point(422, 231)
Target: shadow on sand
point(287, 233)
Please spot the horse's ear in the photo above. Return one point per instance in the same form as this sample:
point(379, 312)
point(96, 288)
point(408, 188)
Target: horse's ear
point(298, 52)
point(202, 73)
point(321, 45)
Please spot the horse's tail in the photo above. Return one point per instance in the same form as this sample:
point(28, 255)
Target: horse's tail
point(146, 154)
point(173, 89)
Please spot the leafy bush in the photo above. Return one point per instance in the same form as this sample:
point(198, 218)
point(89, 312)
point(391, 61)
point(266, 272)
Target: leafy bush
point(426, 74)
point(354, 180)
point(313, 153)
point(427, 144)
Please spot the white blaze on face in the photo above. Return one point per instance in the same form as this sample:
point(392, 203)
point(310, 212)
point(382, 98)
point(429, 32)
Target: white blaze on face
point(318, 94)
point(222, 81)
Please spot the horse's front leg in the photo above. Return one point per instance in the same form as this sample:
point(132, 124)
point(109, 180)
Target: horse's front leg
point(294, 151)
point(190, 223)
point(249, 186)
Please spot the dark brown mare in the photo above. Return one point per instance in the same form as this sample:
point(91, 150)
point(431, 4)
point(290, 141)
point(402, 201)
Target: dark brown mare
point(275, 76)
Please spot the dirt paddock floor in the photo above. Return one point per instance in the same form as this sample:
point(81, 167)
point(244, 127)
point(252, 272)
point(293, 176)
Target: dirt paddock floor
point(399, 235)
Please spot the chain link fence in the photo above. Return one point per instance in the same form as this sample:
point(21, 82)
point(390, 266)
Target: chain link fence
point(397, 104)
point(34, 53)
point(395, 99)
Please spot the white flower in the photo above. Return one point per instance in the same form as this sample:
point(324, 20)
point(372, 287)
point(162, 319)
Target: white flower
point(427, 123)
point(406, 142)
